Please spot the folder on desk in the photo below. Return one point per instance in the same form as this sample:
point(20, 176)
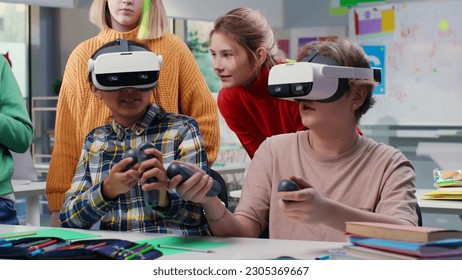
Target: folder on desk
point(442, 194)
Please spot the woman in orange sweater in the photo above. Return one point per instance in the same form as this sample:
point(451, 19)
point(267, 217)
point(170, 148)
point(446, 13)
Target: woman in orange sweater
point(182, 88)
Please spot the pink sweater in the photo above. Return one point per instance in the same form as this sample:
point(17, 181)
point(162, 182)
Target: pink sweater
point(372, 177)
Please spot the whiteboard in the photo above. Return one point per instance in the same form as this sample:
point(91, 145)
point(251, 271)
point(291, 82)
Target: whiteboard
point(422, 61)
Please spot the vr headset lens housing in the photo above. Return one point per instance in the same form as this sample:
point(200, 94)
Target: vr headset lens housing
point(116, 70)
point(314, 81)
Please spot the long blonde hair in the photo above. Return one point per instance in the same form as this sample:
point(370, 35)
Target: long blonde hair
point(100, 16)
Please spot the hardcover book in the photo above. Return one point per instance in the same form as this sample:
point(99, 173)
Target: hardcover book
point(400, 232)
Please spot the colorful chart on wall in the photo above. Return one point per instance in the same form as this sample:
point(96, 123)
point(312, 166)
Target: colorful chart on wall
point(419, 47)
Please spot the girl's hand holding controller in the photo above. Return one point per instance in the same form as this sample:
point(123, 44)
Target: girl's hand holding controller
point(305, 204)
point(288, 186)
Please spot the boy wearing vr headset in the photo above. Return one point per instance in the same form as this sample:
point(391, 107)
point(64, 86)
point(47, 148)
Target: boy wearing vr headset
point(107, 186)
point(182, 88)
point(342, 175)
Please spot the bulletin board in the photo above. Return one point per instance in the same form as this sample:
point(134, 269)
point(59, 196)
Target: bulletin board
point(418, 45)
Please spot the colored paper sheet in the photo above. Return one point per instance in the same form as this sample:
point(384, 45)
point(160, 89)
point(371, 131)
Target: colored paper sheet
point(370, 26)
point(327, 38)
point(336, 10)
point(305, 40)
point(388, 21)
point(66, 234)
point(283, 45)
point(374, 21)
point(350, 3)
point(182, 242)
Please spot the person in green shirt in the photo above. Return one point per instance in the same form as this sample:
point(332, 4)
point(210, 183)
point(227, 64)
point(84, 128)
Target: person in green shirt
point(16, 128)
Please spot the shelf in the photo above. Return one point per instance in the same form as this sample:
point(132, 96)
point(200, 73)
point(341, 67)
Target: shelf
point(43, 119)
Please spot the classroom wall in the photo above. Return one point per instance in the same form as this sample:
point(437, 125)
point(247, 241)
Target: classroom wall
point(315, 13)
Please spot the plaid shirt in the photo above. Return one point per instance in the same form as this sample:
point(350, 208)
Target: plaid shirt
point(178, 138)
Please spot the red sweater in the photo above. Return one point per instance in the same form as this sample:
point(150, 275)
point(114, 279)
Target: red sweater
point(253, 114)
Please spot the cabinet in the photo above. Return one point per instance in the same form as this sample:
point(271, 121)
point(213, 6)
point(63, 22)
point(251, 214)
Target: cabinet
point(43, 119)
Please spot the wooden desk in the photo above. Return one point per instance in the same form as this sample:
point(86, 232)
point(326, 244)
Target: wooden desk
point(438, 206)
point(239, 248)
point(32, 192)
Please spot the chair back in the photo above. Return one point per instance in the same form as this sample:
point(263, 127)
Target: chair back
point(223, 195)
point(419, 214)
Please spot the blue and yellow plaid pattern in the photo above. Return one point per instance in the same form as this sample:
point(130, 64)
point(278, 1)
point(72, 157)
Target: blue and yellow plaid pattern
point(176, 136)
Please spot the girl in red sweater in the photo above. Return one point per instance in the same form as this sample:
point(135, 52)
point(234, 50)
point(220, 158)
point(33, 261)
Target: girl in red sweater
point(244, 49)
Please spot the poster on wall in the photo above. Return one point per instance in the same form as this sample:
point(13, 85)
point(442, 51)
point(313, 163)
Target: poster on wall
point(305, 40)
point(376, 55)
point(374, 20)
point(340, 7)
point(302, 36)
point(284, 47)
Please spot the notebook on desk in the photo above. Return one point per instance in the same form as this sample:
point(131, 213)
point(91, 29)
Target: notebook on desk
point(24, 168)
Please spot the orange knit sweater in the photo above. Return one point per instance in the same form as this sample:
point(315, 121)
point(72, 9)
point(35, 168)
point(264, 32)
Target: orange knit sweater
point(181, 89)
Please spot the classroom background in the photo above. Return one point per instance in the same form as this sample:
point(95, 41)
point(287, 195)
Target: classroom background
point(419, 113)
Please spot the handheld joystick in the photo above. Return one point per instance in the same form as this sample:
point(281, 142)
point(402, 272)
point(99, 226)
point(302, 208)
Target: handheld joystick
point(151, 197)
point(288, 186)
point(186, 172)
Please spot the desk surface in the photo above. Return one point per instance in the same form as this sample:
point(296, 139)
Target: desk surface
point(426, 206)
point(240, 248)
point(32, 191)
point(28, 188)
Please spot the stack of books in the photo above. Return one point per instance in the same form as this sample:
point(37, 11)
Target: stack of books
point(448, 185)
point(380, 241)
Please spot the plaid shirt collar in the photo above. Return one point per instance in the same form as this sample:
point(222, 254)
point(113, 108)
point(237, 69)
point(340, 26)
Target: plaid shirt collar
point(152, 112)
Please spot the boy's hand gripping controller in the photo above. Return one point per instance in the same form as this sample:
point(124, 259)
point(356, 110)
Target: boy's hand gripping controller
point(151, 197)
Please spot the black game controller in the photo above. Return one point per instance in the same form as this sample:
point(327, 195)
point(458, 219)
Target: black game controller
point(151, 197)
point(288, 186)
point(186, 172)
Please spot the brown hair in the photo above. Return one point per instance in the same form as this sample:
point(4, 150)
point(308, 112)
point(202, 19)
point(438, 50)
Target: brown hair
point(250, 29)
point(100, 16)
point(346, 53)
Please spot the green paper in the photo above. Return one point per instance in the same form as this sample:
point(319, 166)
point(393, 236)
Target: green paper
point(182, 242)
point(66, 234)
point(350, 3)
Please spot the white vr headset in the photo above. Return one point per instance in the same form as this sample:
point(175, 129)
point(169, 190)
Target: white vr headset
point(124, 65)
point(322, 81)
